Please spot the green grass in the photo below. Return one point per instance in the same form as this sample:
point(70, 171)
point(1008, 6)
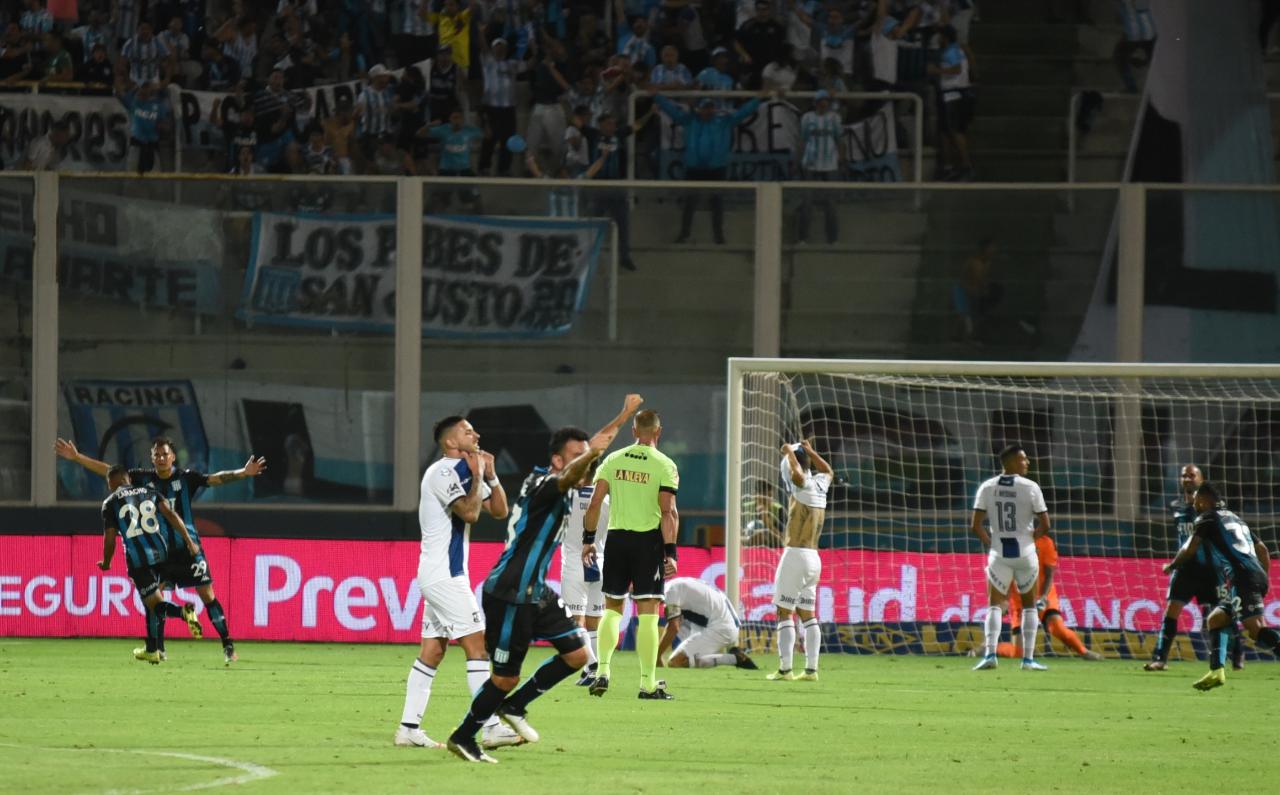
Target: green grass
point(83, 716)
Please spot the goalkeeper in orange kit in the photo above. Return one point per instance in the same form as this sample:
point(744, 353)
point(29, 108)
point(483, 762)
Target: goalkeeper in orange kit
point(1047, 605)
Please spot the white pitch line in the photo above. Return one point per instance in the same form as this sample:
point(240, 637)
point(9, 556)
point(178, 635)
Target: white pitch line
point(252, 772)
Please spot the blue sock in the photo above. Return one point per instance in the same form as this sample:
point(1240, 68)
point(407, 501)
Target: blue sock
point(218, 619)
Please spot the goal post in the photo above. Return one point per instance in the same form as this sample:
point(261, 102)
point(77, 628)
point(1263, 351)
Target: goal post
point(910, 441)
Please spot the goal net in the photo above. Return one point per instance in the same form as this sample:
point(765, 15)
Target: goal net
point(911, 441)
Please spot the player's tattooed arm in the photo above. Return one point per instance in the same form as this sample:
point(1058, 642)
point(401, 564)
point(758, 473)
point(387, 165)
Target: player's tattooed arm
point(468, 508)
point(793, 466)
point(251, 469)
point(572, 474)
point(65, 448)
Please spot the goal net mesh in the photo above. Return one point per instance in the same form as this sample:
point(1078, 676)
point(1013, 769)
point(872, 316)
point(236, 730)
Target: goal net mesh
point(902, 571)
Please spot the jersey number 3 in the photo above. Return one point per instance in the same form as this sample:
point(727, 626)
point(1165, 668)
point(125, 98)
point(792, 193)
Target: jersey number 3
point(142, 518)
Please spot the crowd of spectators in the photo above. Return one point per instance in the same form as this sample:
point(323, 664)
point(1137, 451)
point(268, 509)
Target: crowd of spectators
point(443, 82)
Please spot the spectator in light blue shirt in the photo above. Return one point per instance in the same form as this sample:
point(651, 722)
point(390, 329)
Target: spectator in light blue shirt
point(455, 155)
point(633, 42)
point(708, 140)
point(717, 77)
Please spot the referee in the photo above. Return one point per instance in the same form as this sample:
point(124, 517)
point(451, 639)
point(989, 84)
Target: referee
point(642, 546)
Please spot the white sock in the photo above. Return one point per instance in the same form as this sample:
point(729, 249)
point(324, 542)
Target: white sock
point(1030, 626)
point(592, 640)
point(477, 673)
point(992, 629)
point(417, 691)
point(786, 643)
point(812, 643)
point(712, 660)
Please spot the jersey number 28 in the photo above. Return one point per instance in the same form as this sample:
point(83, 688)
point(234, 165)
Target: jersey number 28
point(142, 518)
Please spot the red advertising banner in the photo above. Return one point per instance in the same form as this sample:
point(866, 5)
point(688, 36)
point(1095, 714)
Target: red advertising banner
point(365, 591)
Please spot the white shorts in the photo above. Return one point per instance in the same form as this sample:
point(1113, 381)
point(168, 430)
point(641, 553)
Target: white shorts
point(795, 586)
point(698, 642)
point(581, 597)
point(1022, 572)
point(449, 609)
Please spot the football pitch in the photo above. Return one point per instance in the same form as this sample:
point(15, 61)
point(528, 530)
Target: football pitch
point(82, 716)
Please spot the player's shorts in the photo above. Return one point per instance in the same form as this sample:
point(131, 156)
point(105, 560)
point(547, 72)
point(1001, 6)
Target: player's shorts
point(1245, 598)
point(1192, 582)
point(795, 585)
point(634, 564)
point(583, 598)
point(449, 609)
point(957, 111)
point(510, 628)
point(183, 571)
point(147, 579)
point(699, 641)
point(1003, 572)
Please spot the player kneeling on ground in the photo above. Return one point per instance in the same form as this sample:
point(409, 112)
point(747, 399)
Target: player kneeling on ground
point(1240, 564)
point(1046, 605)
point(704, 621)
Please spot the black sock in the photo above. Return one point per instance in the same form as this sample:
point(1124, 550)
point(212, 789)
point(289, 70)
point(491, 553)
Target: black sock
point(154, 622)
point(548, 675)
point(1268, 638)
point(1237, 644)
point(219, 620)
point(169, 610)
point(1217, 648)
point(1168, 631)
point(485, 703)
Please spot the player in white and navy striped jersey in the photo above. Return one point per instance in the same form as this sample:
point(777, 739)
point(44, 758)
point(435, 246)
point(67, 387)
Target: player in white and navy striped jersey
point(454, 491)
point(703, 620)
point(1014, 507)
point(580, 583)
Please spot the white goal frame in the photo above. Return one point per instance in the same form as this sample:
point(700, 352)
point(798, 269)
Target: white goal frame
point(1128, 434)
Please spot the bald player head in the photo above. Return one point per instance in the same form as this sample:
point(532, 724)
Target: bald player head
point(647, 426)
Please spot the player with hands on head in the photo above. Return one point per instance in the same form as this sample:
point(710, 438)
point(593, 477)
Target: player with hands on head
point(795, 587)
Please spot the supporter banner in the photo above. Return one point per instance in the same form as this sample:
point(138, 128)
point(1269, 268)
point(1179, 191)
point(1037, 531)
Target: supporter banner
point(99, 128)
point(483, 277)
point(116, 420)
point(138, 252)
point(283, 589)
point(766, 146)
point(870, 149)
point(193, 110)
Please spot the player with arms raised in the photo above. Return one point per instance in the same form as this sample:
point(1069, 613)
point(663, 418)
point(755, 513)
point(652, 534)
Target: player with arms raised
point(454, 491)
point(1240, 564)
point(134, 513)
point(181, 487)
point(519, 607)
point(795, 585)
point(1014, 506)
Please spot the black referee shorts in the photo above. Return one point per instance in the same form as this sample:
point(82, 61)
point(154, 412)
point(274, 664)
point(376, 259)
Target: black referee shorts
point(633, 563)
point(509, 628)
